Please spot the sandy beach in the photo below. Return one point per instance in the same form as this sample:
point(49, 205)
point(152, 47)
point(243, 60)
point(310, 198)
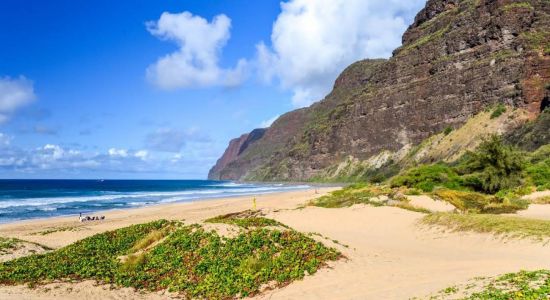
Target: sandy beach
point(390, 255)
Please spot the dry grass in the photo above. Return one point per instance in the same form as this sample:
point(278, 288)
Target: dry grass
point(542, 200)
point(513, 227)
point(480, 203)
point(408, 206)
point(151, 238)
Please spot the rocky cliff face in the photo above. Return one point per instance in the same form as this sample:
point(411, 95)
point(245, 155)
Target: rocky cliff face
point(458, 58)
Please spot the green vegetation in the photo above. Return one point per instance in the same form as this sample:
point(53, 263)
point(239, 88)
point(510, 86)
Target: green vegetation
point(523, 285)
point(351, 195)
point(538, 41)
point(57, 229)
point(498, 111)
point(538, 168)
point(516, 5)
point(480, 203)
point(427, 177)
point(180, 258)
point(426, 39)
point(500, 225)
point(406, 205)
point(447, 130)
point(8, 244)
point(492, 167)
point(246, 219)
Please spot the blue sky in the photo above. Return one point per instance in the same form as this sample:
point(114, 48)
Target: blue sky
point(156, 89)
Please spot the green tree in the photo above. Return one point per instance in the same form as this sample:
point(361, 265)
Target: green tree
point(493, 166)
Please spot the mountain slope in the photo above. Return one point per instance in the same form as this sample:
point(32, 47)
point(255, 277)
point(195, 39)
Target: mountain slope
point(459, 58)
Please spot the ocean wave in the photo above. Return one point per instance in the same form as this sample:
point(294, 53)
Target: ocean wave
point(232, 189)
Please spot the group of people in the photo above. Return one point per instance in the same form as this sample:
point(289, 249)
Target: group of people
point(82, 218)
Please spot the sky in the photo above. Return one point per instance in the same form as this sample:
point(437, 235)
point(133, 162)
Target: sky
point(136, 89)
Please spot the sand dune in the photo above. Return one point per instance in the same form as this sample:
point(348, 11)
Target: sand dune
point(390, 256)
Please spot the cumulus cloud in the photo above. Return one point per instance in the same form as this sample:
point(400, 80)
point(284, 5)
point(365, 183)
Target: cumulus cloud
point(59, 159)
point(196, 62)
point(14, 94)
point(313, 41)
point(142, 154)
point(114, 152)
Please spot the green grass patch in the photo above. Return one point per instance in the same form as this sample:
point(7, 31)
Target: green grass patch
point(498, 111)
point(351, 195)
point(8, 244)
point(407, 206)
point(524, 285)
point(426, 39)
point(246, 219)
point(189, 260)
point(517, 5)
point(514, 227)
point(57, 229)
point(537, 40)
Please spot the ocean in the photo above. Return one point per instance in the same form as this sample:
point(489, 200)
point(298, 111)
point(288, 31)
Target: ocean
point(31, 199)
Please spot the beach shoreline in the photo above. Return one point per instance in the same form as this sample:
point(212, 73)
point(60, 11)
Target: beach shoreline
point(388, 253)
point(193, 211)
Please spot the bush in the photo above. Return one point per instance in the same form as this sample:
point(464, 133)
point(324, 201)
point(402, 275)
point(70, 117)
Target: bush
point(499, 110)
point(447, 130)
point(427, 177)
point(492, 167)
point(538, 168)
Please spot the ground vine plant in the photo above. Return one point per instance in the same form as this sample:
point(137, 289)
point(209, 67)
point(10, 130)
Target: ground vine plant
point(186, 259)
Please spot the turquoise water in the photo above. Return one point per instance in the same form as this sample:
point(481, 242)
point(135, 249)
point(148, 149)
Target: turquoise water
point(29, 199)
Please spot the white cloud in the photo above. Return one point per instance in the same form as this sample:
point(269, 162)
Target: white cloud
point(268, 123)
point(313, 41)
point(196, 62)
point(142, 154)
point(14, 94)
point(53, 151)
point(114, 152)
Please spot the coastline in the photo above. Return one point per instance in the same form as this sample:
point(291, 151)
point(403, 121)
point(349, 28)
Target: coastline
point(389, 255)
point(193, 211)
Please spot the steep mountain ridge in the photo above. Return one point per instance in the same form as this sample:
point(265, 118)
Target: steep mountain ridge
point(458, 58)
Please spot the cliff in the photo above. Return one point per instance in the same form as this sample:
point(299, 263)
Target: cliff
point(458, 59)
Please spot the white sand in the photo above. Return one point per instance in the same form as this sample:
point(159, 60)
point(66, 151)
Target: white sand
point(390, 255)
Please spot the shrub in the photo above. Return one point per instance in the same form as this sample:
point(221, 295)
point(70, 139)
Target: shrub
point(538, 168)
point(499, 110)
point(427, 177)
point(492, 167)
point(447, 130)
